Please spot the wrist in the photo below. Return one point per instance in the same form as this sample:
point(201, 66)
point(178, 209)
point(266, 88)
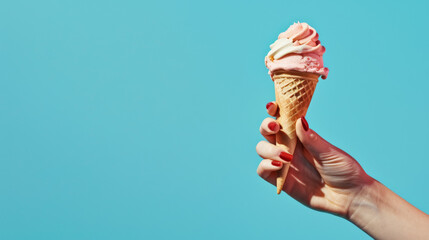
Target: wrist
point(384, 215)
point(364, 208)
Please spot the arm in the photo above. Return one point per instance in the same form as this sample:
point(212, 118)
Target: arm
point(384, 215)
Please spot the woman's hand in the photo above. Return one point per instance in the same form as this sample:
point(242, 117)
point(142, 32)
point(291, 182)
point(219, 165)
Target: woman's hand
point(321, 175)
point(326, 178)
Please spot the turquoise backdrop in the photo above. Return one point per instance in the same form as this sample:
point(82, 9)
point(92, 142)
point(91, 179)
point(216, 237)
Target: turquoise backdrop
point(139, 119)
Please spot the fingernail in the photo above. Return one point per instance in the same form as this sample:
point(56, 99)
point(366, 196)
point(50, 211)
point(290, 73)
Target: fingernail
point(286, 156)
point(304, 123)
point(269, 105)
point(276, 163)
point(272, 126)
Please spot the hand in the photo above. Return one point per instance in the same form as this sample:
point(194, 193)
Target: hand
point(321, 176)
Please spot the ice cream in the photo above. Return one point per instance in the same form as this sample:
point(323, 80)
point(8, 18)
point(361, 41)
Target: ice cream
point(297, 49)
point(295, 63)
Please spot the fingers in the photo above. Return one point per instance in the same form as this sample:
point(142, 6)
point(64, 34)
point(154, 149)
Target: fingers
point(272, 108)
point(316, 145)
point(270, 151)
point(269, 127)
point(267, 167)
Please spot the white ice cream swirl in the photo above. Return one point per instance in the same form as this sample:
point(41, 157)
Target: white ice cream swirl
point(284, 46)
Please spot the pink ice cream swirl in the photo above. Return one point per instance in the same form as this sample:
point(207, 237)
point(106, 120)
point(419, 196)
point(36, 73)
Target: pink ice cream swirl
point(297, 49)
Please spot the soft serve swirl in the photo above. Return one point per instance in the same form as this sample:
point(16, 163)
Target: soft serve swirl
point(297, 49)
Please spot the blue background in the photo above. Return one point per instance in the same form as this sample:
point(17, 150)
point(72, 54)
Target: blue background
point(139, 120)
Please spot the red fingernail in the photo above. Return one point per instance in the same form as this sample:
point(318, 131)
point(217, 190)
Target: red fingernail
point(269, 105)
point(276, 163)
point(272, 126)
point(286, 156)
point(304, 123)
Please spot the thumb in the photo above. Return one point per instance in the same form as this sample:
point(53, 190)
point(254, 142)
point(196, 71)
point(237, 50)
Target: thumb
point(315, 144)
point(338, 169)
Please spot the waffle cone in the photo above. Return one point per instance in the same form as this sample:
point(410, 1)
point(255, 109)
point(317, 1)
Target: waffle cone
point(294, 91)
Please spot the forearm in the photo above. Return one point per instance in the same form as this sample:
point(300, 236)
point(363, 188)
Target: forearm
point(384, 215)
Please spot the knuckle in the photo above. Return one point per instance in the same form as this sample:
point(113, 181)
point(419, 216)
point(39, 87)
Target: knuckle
point(313, 137)
point(259, 172)
point(259, 146)
point(310, 138)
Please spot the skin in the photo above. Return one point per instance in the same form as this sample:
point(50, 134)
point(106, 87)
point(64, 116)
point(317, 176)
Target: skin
point(325, 178)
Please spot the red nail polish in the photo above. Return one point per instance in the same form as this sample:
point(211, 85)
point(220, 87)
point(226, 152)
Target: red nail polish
point(269, 105)
point(304, 123)
point(276, 163)
point(286, 156)
point(272, 126)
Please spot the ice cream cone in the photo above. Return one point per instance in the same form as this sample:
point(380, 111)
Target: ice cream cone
point(295, 62)
point(294, 91)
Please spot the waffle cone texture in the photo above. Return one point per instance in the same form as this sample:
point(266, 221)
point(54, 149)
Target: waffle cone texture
point(294, 91)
